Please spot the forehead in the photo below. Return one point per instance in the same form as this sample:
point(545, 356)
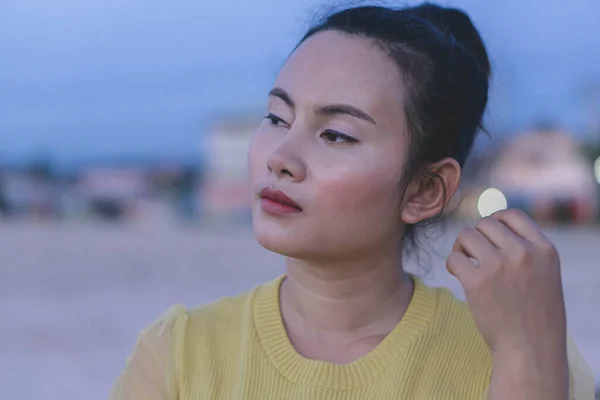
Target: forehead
point(333, 67)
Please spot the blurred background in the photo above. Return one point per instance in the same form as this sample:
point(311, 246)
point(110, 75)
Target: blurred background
point(123, 132)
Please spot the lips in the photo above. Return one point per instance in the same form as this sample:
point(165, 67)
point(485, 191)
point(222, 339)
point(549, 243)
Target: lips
point(279, 197)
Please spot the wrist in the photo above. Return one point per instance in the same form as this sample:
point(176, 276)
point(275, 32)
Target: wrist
point(532, 374)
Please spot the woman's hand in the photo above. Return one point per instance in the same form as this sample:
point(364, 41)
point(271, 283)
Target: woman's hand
point(514, 291)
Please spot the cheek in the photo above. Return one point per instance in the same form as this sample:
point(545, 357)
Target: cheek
point(356, 209)
point(369, 192)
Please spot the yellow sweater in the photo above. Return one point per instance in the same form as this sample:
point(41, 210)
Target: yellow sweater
point(237, 348)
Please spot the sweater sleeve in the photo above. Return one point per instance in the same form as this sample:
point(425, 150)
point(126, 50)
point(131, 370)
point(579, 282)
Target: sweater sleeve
point(580, 374)
point(152, 370)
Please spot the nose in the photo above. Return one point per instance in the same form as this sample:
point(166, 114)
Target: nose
point(285, 162)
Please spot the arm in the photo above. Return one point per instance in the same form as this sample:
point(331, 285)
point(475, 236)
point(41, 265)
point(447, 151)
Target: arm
point(151, 370)
point(506, 380)
point(514, 291)
point(530, 376)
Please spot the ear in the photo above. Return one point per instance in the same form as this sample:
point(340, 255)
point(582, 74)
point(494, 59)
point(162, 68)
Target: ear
point(427, 195)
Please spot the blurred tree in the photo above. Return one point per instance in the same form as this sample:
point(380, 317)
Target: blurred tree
point(590, 95)
point(188, 181)
point(3, 202)
point(42, 172)
point(41, 168)
point(591, 148)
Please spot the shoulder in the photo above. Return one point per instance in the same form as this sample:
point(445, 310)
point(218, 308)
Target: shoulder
point(179, 325)
point(226, 314)
point(172, 320)
point(150, 370)
point(225, 322)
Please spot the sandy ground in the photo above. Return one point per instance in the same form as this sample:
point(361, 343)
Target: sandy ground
point(74, 297)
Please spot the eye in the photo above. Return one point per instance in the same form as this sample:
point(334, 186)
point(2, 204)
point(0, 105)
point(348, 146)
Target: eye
point(275, 120)
point(337, 137)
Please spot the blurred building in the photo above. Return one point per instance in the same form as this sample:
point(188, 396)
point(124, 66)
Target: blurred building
point(544, 173)
point(112, 192)
point(180, 186)
point(25, 191)
point(226, 192)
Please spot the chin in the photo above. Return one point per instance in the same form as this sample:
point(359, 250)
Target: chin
point(276, 238)
point(293, 243)
point(282, 236)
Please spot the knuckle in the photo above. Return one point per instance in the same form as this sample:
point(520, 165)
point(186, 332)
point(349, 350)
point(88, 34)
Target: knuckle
point(464, 234)
point(478, 282)
point(501, 212)
point(453, 265)
point(495, 261)
point(519, 253)
point(484, 223)
point(547, 246)
point(453, 257)
point(469, 231)
point(512, 214)
point(548, 249)
point(451, 260)
point(515, 213)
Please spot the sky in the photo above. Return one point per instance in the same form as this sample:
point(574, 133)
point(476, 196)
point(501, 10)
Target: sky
point(105, 78)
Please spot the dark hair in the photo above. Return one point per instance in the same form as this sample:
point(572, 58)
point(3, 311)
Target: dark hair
point(446, 72)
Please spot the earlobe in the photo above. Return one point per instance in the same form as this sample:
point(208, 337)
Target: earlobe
point(411, 215)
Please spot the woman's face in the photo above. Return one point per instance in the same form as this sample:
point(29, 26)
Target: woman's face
point(335, 143)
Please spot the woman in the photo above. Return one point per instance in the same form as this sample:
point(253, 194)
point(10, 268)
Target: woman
point(368, 125)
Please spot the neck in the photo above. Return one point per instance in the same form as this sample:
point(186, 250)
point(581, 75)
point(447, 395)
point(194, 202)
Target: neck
point(346, 302)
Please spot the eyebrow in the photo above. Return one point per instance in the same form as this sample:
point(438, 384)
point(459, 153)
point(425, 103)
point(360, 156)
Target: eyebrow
point(331, 109)
point(283, 95)
point(334, 109)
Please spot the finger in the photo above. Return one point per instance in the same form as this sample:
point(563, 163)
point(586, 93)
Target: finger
point(460, 266)
point(499, 234)
point(520, 224)
point(473, 244)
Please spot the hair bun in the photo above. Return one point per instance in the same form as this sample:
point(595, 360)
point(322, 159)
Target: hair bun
point(455, 25)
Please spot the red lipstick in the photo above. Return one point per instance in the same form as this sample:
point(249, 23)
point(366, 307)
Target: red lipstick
point(277, 202)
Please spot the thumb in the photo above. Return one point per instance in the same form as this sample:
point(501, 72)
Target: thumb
point(460, 266)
